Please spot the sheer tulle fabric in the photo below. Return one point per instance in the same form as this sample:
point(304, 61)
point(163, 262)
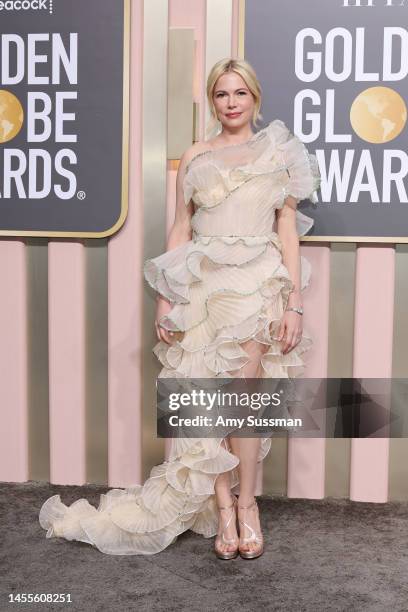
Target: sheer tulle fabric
point(227, 285)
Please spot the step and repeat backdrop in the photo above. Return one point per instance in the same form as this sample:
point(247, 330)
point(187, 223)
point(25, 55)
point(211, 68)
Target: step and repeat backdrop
point(63, 117)
point(64, 111)
point(336, 73)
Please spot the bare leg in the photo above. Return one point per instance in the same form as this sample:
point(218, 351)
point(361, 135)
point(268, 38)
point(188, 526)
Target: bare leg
point(223, 497)
point(247, 449)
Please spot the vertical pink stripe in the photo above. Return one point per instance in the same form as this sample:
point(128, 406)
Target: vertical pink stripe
point(184, 14)
point(373, 333)
point(170, 199)
point(13, 362)
point(170, 213)
point(187, 15)
point(125, 299)
point(235, 28)
point(66, 308)
point(306, 457)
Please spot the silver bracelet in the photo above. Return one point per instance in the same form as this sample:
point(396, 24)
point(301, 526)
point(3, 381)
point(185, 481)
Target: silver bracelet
point(298, 310)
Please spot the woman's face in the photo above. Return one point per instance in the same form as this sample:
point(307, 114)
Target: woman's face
point(234, 103)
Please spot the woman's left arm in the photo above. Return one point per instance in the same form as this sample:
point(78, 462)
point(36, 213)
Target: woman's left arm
point(291, 327)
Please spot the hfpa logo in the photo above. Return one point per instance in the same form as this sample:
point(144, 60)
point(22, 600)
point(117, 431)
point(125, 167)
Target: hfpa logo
point(26, 5)
point(371, 3)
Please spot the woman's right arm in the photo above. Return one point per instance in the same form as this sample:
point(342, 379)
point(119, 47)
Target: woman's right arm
point(179, 234)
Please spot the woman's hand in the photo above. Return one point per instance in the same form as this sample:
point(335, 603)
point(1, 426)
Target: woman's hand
point(290, 330)
point(163, 307)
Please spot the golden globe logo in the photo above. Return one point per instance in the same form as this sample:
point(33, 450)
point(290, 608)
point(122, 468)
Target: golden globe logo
point(377, 115)
point(26, 5)
point(46, 69)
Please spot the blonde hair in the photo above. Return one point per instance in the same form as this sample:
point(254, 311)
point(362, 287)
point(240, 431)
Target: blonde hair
point(245, 70)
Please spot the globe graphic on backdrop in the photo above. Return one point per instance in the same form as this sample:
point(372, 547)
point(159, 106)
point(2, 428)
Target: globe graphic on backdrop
point(11, 116)
point(378, 114)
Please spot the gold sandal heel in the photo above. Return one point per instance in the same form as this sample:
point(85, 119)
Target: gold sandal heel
point(254, 537)
point(227, 554)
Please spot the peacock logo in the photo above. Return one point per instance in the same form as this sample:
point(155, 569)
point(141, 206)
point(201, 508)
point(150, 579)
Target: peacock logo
point(26, 5)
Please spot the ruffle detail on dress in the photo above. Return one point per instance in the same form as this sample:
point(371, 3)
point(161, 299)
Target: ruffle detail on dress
point(230, 280)
point(303, 171)
point(276, 154)
point(233, 303)
point(304, 177)
point(179, 495)
point(172, 272)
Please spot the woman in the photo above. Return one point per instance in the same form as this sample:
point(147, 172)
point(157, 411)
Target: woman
point(229, 305)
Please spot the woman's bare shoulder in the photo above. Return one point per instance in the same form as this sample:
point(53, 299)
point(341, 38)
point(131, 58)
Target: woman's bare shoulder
point(194, 150)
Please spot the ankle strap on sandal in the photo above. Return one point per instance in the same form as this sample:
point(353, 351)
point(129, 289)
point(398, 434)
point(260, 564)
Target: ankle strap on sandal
point(234, 501)
point(254, 503)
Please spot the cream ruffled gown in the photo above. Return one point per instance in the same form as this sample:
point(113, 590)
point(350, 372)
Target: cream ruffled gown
point(228, 285)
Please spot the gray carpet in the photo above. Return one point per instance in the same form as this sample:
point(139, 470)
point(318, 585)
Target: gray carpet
point(320, 555)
